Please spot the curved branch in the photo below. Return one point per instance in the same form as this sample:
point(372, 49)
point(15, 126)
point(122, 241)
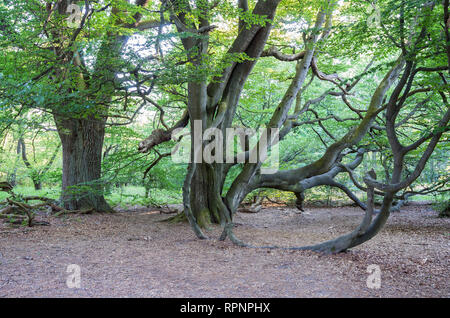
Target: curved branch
point(159, 136)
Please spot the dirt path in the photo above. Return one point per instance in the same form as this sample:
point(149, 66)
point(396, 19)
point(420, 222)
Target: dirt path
point(131, 254)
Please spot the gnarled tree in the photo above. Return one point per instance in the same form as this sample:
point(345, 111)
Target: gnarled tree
point(214, 103)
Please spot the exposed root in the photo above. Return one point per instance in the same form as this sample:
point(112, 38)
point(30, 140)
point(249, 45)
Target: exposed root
point(167, 210)
point(17, 210)
point(299, 201)
point(179, 218)
point(250, 209)
point(255, 207)
point(228, 232)
point(203, 219)
point(18, 219)
point(64, 212)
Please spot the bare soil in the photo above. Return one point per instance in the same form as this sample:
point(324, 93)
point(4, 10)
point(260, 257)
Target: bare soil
point(132, 254)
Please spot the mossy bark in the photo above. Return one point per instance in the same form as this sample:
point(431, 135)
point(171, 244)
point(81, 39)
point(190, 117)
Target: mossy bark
point(82, 142)
point(205, 191)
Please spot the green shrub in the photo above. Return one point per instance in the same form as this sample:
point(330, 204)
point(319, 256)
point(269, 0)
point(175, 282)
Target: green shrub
point(443, 207)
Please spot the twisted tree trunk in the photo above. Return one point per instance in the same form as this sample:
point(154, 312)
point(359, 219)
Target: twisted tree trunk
point(204, 192)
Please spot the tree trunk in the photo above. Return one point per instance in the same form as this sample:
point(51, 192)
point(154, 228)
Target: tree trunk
point(37, 184)
point(33, 173)
point(205, 191)
point(82, 141)
point(12, 177)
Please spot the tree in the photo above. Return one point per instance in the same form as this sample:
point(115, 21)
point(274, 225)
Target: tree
point(35, 174)
point(214, 103)
point(332, 84)
point(75, 78)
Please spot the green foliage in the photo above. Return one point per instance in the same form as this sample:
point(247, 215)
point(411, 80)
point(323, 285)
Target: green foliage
point(442, 205)
point(29, 96)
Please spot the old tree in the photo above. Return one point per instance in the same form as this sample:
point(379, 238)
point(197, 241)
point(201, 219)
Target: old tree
point(418, 50)
point(366, 80)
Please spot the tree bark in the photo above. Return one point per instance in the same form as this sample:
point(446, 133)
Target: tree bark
point(204, 191)
point(82, 142)
point(35, 177)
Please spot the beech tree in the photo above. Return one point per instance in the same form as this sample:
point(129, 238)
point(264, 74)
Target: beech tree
point(408, 31)
point(359, 80)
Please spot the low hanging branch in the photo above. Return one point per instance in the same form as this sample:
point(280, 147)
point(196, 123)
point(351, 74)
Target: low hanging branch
point(155, 162)
point(160, 136)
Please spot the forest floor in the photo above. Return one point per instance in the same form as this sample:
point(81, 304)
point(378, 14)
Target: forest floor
point(132, 254)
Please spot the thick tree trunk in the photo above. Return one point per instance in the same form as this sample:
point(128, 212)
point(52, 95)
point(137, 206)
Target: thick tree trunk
point(205, 191)
point(82, 141)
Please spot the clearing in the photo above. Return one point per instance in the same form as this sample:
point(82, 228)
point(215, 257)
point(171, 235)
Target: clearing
point(132, 254)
